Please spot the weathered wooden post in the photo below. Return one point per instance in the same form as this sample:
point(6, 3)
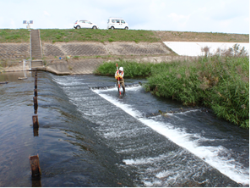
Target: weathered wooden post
point(35, 166)
point(35, 131)
point(35, 92)
point(35, 121)
point(36, 181)
point(35, 83)
point(35, 103)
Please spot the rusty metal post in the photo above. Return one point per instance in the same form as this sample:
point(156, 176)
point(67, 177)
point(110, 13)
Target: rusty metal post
point(35, 131)
point(35, 166)
point(35, 84)
point(35, 92)
point(35, 121)
point(35, 104)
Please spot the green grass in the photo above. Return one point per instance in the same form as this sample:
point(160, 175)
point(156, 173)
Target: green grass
point(221, 84)
point(14, 35)
point(83, 35)
point(101, 35)
point(131, 69)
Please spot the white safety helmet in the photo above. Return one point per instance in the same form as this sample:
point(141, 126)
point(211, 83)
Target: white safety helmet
point(121, 69)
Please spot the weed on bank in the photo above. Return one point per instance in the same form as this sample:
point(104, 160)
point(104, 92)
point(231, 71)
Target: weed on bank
point(219, 83)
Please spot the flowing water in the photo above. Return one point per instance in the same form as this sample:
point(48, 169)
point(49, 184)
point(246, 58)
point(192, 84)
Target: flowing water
point(89, 136)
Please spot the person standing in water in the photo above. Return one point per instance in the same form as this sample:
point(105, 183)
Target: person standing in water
point(120, 74)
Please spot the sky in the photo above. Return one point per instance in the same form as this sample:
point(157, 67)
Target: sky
point(222, 16)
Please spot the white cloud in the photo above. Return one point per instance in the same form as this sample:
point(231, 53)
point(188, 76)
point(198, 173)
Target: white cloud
point(246, 19)
point(13, 23)
point(178, 17)
point(46, 13)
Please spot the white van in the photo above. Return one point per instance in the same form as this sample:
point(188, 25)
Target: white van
point(117, 23)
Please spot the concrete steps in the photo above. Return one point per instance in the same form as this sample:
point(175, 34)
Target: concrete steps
point(36, 51)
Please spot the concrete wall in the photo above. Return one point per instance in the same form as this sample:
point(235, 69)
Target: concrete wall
point(14, 50)
point(100, 49)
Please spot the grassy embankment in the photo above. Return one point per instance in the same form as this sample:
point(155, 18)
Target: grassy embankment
point(14, 35)
point(221, 84)
point(201, 36)
point(89, 35)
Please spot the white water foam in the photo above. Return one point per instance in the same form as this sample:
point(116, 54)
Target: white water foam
point(144, 160)
point(209, 154)
point(67, 82)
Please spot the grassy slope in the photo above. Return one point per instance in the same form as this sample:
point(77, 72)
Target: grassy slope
point(201, 37)
point(83, 35)
point(66, 35)
point(14, 35)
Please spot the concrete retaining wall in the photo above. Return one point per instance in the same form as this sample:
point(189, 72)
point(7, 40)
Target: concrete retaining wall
point(130, 51)
point(14, 50)
point(98, 49)
point(86, 66)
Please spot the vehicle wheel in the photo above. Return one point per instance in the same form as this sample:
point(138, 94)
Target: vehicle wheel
point(78, 27)
point(94, 27)
point(126, 28)
point(112, 28)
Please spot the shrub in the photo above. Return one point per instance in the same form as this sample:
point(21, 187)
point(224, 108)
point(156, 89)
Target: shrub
point(219, 84)
point(131, 69)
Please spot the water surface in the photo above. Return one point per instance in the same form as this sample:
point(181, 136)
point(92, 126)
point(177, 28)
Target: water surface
point(92, 137)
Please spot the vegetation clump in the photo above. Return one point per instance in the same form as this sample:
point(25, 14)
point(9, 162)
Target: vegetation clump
point(132, 69)
point(221, 83)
